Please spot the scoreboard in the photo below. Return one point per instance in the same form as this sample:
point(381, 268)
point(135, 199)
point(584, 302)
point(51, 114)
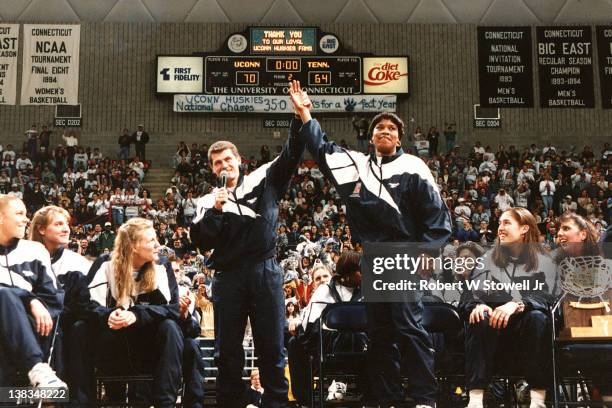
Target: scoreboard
point(251, 75)
point(262, 61)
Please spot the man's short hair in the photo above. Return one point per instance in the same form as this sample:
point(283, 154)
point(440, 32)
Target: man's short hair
point(220, 146)
point(389, 116)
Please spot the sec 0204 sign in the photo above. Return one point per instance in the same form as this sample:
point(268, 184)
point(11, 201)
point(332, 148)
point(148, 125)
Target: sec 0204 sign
point(179, 74)
point(487, 123)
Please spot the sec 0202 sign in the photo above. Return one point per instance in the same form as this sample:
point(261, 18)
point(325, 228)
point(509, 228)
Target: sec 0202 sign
point(68, 122)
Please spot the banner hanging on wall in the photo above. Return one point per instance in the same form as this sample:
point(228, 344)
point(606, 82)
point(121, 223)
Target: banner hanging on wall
point(565, 67)
point(505, 69)
point(9, 46)
point(50, 64)
point(282, 104)
point(604, 45)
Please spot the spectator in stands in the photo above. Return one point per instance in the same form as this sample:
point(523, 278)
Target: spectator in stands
point(467, 233)
point(132, 204)
point(28, 292)
point(8, 159)
point(146, 302)
point(205, 306)
point(44, 138)
point(80, 159)
point(23, 163)
point(433, 137)
point(462, 214)
point(450, 135)
point(124, 142)
point(189, 206)
point(503, 200)
point(501, 322)
point(32, 140)
point(255, 392)
point(243, 235)
point(116, 202)
point(106, 240)
point(547, 190)
point(87, 248)
point(388, 323)
point(360, 126)
point(71, 144)
point(140, 138)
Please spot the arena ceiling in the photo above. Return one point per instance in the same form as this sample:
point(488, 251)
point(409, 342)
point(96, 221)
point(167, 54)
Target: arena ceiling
point(490, 12)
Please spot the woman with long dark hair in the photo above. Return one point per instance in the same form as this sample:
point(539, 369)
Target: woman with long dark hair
point(511, 317)
point(578, 238)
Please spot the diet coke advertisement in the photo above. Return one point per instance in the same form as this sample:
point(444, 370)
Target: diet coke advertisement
point(385, 75)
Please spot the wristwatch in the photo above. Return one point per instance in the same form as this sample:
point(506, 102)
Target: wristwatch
point(521, 306)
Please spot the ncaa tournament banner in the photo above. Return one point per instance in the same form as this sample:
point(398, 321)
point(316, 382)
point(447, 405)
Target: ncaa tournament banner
point(50, 64)
point(9, 46)
point(282, 104)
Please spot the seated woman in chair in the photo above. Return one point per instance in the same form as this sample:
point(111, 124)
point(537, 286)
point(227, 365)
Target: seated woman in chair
point(345, 286)
point(134, 306)
point(51, 227)
point(578, 238)
point(501, 321)
point(29, 300)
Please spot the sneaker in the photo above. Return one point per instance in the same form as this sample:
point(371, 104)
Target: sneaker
point(43, 376)
point(336, 391)
point(424, 406)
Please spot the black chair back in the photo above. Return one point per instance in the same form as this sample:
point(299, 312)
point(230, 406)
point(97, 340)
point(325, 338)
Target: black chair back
point(345, 317)
point(441, 318)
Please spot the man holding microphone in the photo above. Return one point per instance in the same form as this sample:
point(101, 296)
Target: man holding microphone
point(238, 221)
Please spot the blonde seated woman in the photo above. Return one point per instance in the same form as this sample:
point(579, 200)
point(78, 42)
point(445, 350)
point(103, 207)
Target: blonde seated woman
point(51, 227)
point(137, 315)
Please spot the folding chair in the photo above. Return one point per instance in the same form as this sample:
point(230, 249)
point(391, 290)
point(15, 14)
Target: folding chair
point(442, 319)
point(344, 317)
point(576, 363)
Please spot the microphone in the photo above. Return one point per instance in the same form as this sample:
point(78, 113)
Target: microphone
point(223, 178)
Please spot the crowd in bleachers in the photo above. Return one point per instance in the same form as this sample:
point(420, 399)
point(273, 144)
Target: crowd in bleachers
point(478, 184)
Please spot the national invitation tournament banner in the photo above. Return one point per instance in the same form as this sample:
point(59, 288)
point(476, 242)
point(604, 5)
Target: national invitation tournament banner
point(50, 64)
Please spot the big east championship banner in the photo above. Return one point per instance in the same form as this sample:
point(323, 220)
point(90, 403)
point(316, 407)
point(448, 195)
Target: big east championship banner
point(9, 44)
point(50, 64)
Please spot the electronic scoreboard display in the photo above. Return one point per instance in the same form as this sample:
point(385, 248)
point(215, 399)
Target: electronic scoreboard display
point(251, 75)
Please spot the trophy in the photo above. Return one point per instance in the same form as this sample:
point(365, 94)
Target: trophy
point(586, 277)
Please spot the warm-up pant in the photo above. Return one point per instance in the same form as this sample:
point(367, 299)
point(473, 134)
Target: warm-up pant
point(255, 292)
point(527, 337)
point(154, 349)
point(397, 338)
point(80, 367)
point(19, 343)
